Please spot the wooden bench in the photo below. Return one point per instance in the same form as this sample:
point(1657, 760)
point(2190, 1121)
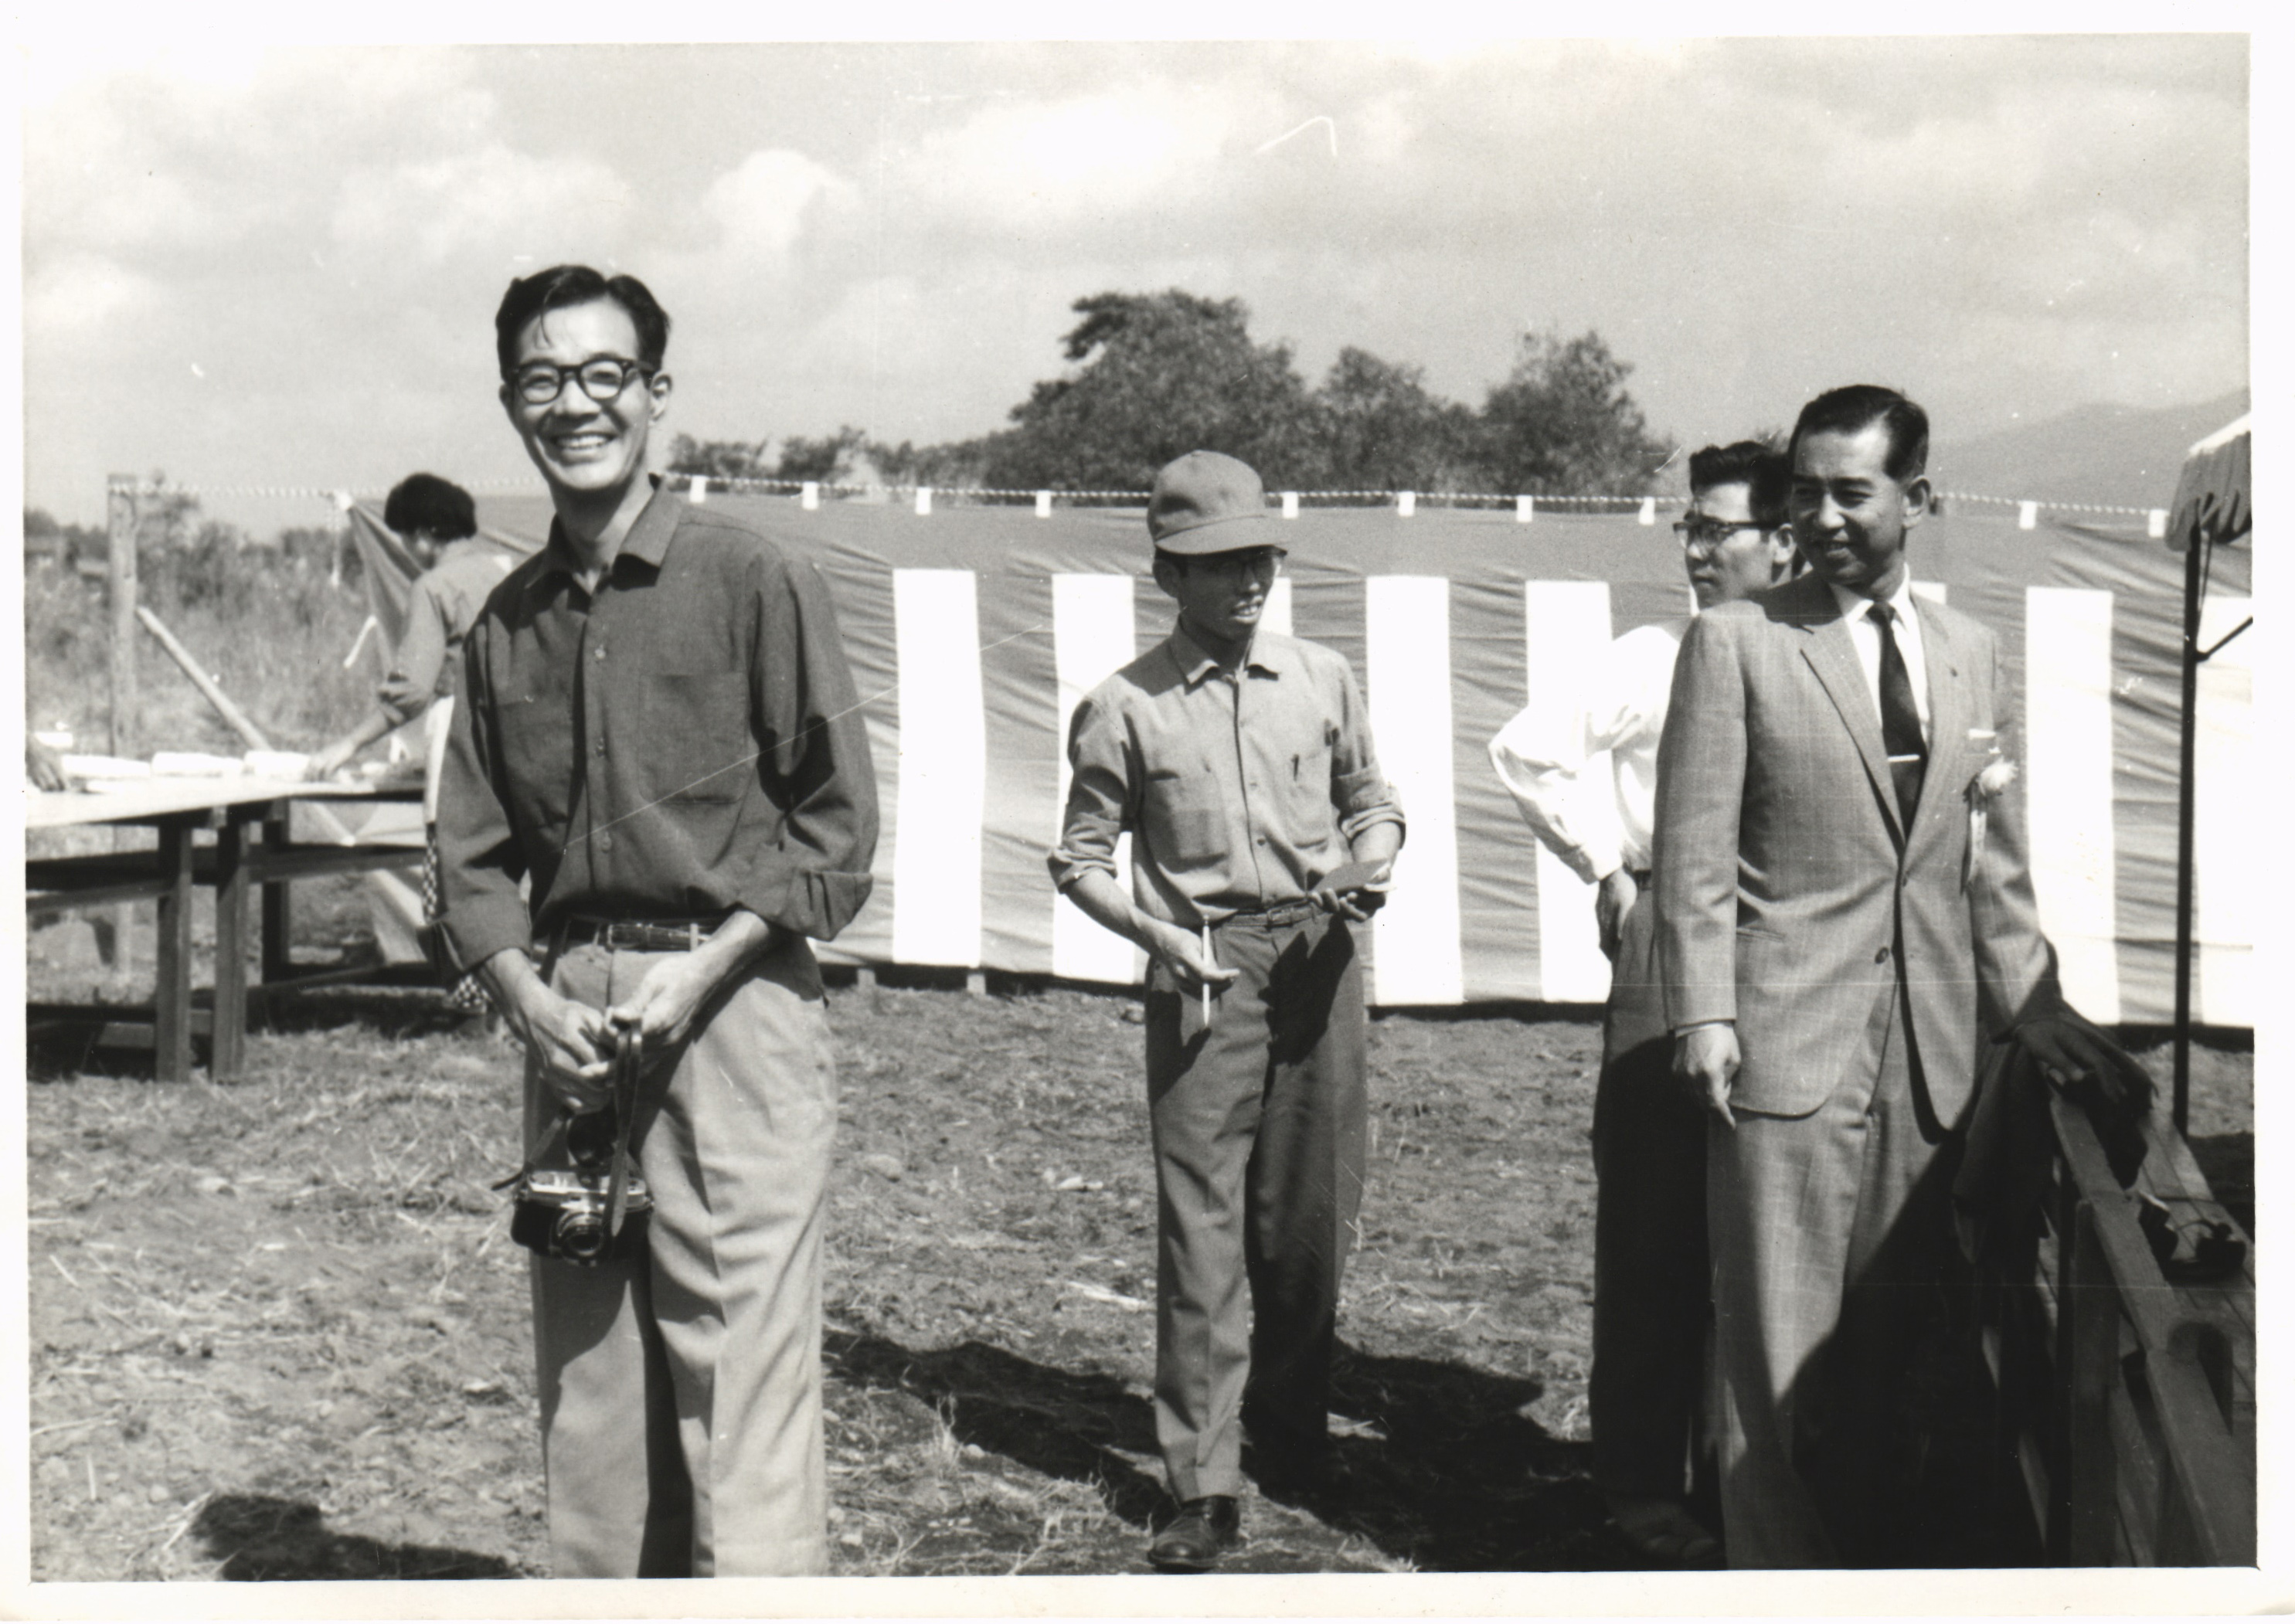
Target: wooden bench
point(2127, 1400)
point(250, 855)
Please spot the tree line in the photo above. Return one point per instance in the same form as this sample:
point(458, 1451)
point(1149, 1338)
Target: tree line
point(1156, 375)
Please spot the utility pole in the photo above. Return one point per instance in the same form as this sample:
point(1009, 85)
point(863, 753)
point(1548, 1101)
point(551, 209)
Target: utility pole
point(120, 521)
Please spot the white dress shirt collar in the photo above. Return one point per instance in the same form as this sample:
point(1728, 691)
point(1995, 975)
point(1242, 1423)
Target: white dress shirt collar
point(1866, 636)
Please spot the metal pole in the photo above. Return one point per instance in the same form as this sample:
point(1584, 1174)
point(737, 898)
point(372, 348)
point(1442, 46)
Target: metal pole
point(120, 522)
point(2184, 803)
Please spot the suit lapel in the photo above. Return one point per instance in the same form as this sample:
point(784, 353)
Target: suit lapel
point(1834, 657)
point(1950, 710)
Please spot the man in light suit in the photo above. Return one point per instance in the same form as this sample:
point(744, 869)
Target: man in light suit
point(1843, 901)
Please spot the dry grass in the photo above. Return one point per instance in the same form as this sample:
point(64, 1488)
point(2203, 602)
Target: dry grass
point(278, 1330)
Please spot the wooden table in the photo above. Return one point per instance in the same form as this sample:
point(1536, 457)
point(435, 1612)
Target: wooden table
point(179, 808)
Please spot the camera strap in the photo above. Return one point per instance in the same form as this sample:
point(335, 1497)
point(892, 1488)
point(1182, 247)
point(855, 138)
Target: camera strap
point(629, 1051)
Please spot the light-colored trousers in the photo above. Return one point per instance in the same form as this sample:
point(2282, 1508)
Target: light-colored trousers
point(1828, 1233)
point(680, 1390)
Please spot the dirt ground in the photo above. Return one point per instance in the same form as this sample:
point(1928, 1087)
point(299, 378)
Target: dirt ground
point(278, 1329)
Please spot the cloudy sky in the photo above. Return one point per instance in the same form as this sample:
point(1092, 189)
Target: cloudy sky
point(252, 269)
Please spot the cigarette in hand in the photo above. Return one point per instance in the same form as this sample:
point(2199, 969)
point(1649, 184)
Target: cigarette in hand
point(1207, 960)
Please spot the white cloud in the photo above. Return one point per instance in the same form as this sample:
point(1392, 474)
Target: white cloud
point(761, 207)
point(432, 209)
point(1084, 157)
point(82, 292)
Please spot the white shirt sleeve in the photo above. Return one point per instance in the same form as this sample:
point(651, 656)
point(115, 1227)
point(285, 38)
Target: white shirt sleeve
point(1543, 753)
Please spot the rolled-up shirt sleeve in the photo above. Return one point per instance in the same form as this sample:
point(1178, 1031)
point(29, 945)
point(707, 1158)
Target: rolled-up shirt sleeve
point(480, 863)
point(814, 763)
point(1361, 793)
point(1102, 794)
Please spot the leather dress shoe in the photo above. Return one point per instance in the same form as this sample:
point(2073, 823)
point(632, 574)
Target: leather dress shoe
point(1192, 1541)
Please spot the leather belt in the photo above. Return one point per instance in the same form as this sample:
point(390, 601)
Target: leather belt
point(638, 936)
point(1275, 913)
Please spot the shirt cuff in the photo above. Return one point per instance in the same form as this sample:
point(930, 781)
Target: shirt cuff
point(815, 902)
point(1067, 866)
point(482, 927)
point(1691, 1026)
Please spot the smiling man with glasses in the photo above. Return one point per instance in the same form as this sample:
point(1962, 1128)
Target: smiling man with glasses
point(1649, 1141)
point(1240, 762)
point(660, 737)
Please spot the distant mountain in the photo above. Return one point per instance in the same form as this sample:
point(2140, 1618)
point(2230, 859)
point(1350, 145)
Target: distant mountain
point(2110, 456)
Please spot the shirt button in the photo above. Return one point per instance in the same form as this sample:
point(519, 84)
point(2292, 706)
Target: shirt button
point(605, 843)
point(601, 746)
point(601, 651)
point(1882, 956)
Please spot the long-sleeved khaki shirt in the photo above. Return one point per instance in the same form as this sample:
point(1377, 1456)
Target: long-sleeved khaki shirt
point(1238, 792)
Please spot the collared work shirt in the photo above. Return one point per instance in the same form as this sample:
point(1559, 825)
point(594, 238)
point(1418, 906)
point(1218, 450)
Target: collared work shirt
point(441, 608)
point(683, 741)
point(1602, 822)
point(1239, 792)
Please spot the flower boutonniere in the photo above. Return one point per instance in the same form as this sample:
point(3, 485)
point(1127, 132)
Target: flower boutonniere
point(1991, 781)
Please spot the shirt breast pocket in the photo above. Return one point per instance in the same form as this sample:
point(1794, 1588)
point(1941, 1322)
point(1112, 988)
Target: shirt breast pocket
point(1307, 790)
point(1180, 814)
point(697, 745)
point(535, 752)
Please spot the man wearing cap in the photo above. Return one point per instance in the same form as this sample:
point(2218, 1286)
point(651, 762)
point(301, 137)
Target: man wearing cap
point(1240, 761)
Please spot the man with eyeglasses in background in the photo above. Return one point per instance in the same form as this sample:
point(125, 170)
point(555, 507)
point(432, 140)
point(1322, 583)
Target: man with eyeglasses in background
point(659, 733)
point(1241, 763)
point(1650, 1289)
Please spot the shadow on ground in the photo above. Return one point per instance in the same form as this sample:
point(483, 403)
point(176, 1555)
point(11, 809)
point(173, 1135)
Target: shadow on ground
point(1450, 1474)
point(261, 1537)
point(1061, 1424)
point(1445, 1474)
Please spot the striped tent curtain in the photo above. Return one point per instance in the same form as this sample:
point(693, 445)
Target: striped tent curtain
point(973, 629)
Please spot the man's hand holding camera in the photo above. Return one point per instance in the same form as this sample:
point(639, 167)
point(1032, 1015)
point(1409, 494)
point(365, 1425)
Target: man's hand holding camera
point(675, 987)
point(574, 1042)
point(570, 1038)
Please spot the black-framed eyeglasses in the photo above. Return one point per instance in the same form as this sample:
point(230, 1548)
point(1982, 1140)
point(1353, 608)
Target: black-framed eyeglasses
point(603, 378)
point(1706, 535)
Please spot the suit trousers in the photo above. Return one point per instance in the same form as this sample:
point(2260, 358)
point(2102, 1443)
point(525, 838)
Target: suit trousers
point(1829, 1235)
point(1651, 1290)
point(1258, 1121)
point(680, 1389)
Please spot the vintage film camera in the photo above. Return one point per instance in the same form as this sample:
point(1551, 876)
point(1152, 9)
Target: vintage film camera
point(583, 1213)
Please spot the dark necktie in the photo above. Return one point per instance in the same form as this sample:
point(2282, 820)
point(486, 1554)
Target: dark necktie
point(1900, 720)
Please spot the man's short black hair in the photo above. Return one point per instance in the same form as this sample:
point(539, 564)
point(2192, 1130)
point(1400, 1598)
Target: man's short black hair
point(562, 285)
point(1755, 464)
point(424, 502)
point(1856, 407)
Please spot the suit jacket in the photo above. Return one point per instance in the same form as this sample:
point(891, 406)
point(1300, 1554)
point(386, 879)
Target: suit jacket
point(1791, 895)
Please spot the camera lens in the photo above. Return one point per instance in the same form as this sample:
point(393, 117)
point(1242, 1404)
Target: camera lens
point(581, 1236)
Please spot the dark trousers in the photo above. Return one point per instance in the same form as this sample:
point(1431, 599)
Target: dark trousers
point(1651, 1290)
point(1258, 1121)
